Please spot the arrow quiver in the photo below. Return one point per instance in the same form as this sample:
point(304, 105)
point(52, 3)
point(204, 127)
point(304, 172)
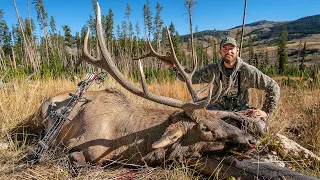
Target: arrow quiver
point(61, 118)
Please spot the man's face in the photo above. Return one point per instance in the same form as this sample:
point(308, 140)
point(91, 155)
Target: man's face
point(229, 53)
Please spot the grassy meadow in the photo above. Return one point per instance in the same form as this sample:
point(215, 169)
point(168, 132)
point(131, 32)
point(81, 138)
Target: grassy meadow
point(297, 117)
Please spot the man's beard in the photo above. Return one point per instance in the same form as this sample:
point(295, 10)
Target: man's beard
point(226, 61)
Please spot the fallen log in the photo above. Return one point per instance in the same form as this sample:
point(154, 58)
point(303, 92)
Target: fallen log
point(245, 169)
point(289, 149)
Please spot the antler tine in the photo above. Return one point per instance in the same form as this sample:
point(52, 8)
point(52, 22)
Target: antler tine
point(195, 65)
point(216, 96)
point(143, 80)
point(153, 53)
point(205, 101)
point(210, 98)
point(203, 89)
point(183, 73)
point(86, 55)
point(173, 55)
point(202, 103)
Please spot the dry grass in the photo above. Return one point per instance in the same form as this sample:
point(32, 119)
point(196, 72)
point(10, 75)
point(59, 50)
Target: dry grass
point(297, 116)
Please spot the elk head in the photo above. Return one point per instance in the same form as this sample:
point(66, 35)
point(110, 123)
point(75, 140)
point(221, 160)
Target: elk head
point(201, 122)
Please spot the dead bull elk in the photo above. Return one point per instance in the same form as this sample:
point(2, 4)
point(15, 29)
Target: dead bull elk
point(110, 128)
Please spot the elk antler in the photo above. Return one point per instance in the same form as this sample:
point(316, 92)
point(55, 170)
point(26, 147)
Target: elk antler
point(107, 63)
point(172, 59)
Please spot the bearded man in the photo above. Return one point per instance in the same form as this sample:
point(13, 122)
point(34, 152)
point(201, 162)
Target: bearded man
point(237, 78)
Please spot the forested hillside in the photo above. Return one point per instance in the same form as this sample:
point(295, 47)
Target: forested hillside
point(24, 52)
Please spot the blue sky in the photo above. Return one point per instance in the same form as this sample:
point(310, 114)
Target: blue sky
point(208, 14)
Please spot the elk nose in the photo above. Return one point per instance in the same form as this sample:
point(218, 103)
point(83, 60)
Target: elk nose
point(252, 143)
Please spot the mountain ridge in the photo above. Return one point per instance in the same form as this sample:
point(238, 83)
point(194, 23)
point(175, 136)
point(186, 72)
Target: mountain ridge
point(268, 29)
point(265, 35)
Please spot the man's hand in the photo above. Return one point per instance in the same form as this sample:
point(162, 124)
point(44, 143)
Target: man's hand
point(258, 113)
point(255, 113)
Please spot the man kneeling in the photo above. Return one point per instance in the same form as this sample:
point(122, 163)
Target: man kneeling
point(237, 78)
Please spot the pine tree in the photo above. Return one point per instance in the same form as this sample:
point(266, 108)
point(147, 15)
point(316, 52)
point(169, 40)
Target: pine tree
point(164, 36)
point(52, 25)
point(18, 44)
point(118, 31)
point(42, 17)
point(255, 60)
point(260, 60)
point(282, 51)
point(1, 14)
point(158, 25)
point(78, 41)
point(138, 31)
point(299, 49)
point(30, 29)
point(251, 51)
point(92, 25)
point(238, 36)
point(130, 31)
point(302, 66)
point(124, 28)
point(266, 59)
point(215, 55)
point(109, 29)
point(94, 4)
point(135, 47)
point(128, 12)
point(147, 16)
point(67, 36)
point(172, 29)
point(5, 36)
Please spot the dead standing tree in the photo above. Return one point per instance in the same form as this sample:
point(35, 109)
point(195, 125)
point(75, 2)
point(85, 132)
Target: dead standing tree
point(29, 51)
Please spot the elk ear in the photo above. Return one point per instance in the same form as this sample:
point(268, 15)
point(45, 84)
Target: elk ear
point(168, 138)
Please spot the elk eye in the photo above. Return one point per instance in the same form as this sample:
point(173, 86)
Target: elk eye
point(204, 128)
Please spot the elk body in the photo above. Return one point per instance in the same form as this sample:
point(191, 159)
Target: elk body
point(110, 127)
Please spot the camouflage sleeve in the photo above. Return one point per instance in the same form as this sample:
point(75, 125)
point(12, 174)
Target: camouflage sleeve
point(200, 76)
point(271, 88)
